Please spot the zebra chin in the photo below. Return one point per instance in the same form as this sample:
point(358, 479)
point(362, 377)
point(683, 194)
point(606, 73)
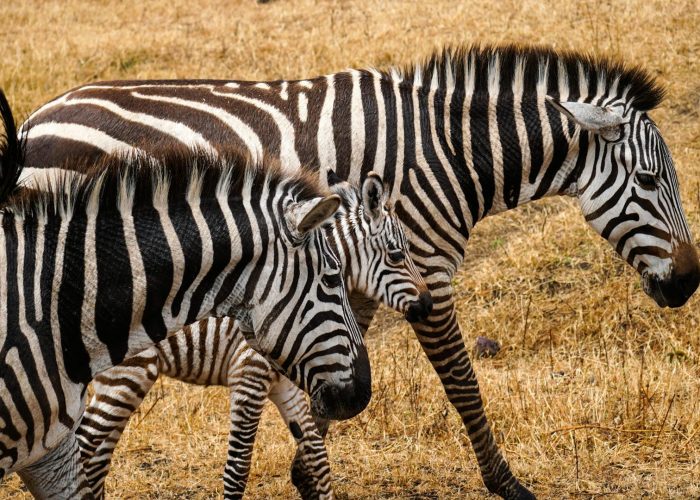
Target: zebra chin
point(675, 288)
point(340, 401)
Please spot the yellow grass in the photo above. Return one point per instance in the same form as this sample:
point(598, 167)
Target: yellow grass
point(596, 392)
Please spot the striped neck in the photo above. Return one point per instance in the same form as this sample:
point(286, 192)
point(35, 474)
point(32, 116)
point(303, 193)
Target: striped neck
point(476, 123)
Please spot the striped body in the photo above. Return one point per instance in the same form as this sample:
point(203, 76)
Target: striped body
point(374, 255)
point(468, 134)
point(100, 268)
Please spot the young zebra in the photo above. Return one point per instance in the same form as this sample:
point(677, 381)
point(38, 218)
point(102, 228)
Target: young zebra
point(373, 251)
point(470, 133)
point(100, 267)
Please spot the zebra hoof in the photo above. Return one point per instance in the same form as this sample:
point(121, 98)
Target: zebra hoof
point(510, 490)
point(302, 481)
point(519, 492)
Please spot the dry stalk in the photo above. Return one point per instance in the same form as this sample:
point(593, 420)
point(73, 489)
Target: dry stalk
point(663, 423)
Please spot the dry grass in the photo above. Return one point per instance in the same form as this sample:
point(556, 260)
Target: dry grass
point(597, 392)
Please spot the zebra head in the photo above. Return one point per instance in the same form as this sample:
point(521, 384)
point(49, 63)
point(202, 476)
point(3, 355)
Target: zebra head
point(373, 248)
point(628, 190)
point(302, 321)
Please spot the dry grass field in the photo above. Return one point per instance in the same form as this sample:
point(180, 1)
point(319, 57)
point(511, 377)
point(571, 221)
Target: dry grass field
point(596, 392)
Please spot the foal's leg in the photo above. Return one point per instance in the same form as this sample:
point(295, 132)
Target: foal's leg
point(311, 472)
point(249, 384)
point(119, 391)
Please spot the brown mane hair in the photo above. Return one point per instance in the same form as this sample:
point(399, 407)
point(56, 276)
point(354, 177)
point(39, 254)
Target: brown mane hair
point(142, 175)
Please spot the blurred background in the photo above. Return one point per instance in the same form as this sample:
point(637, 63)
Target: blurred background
point(596, 391)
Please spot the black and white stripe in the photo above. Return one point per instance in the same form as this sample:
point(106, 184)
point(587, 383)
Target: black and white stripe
point(373, 252)
point(469, 133)
point(100, 267)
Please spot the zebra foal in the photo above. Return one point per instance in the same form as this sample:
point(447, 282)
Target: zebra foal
point(468, 133)
point(373, 252)
point(100, 267)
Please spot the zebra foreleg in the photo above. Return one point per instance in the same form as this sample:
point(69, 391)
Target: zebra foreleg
point(119, 391)
point(442, 341)
point(249, 384)
point(311, 472)
point(58, 475)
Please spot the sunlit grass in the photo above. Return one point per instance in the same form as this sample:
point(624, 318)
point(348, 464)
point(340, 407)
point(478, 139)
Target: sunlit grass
point(596, 391)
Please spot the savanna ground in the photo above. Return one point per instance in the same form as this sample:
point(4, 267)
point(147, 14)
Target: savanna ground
point(596, 391)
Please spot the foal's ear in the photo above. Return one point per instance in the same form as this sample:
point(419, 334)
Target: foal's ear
point(332, 177)
point(604, 121)
point(308, 215)
point(373, 194)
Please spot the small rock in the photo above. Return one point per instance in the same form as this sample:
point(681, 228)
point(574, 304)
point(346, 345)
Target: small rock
point(486, 348)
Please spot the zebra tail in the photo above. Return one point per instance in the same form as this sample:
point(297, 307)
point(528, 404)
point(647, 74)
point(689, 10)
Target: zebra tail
point(11, 152)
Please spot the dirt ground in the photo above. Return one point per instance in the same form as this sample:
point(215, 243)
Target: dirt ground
point(596, 391)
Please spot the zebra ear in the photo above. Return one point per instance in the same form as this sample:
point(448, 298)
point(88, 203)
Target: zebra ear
point(373, 194)
point(601, 120)
point(308, 215)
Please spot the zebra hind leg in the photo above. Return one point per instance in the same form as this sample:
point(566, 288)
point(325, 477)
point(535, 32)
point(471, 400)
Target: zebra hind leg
point(59, 474)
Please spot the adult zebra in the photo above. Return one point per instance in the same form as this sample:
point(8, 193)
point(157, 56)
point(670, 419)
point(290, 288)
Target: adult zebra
point(470, 133)
point(100, 267)
point(373, 251)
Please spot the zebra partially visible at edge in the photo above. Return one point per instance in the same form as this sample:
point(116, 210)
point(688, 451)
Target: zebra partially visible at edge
point(470, 133)
point(100, 267)
point(373, 252)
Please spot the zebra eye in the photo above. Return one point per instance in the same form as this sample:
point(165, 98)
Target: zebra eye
point(332, 280)
point(397, 256)
point(646, 180)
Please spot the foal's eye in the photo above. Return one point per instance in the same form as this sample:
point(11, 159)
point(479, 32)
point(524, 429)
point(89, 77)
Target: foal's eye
point(397, 256)
point(646, 180)
point(332, 280)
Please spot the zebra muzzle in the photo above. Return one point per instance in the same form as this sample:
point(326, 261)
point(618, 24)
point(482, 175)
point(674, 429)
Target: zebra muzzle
point(674, 289)
point(420, 309)
point(343, 400)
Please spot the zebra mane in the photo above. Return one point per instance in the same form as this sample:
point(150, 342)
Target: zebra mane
point(557, 70)
point(135, 180)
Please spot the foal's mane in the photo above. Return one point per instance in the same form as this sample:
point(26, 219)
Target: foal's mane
point(540, 65)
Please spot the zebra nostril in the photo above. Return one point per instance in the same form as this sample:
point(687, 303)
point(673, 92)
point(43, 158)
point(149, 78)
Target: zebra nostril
point(427, 301)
